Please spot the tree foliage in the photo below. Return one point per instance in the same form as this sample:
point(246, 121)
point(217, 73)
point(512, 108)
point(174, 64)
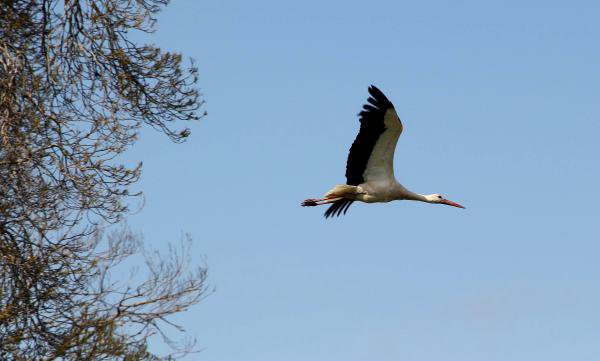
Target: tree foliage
point(74, 92)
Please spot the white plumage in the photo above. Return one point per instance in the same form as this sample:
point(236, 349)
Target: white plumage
point(370, 166)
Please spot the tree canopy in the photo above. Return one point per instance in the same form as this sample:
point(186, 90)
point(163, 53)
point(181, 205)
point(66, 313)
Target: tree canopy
point(74, 92)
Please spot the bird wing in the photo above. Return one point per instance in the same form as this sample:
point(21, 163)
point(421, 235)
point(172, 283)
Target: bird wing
point(371, 156)
point(338, 208)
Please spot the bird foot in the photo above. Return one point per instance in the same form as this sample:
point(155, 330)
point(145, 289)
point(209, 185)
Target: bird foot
point(310, 203)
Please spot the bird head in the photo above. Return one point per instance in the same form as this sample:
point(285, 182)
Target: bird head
point(438, 198)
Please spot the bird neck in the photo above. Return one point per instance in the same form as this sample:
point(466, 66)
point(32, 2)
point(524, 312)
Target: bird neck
point(416, 197)
point(403, 193)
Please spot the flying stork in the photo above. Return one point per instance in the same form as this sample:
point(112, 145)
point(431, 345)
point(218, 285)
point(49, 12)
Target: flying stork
point(370, 166)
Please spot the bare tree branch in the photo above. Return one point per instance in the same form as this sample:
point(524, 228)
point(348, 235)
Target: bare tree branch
point(74, 92)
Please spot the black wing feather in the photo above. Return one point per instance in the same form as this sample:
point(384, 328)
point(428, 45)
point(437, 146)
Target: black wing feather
point(338, 207)
point(371, 127)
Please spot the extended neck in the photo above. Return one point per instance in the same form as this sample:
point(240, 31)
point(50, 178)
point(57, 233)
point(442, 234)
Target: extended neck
point(403, 193)
point(416, 197)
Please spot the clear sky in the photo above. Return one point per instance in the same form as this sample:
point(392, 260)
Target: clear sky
point(501, 109)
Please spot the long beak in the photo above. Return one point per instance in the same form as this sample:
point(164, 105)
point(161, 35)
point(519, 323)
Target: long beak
point(450, 203)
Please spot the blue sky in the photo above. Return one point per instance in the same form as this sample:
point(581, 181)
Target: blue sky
point(500, 104)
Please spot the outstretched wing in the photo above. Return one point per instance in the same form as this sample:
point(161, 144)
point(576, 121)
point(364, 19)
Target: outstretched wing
point(371, 156)
point(338, 208)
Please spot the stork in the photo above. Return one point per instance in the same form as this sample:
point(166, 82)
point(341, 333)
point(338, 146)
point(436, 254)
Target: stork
point(370, 165)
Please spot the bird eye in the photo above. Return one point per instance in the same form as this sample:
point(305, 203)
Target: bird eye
point(440, 197)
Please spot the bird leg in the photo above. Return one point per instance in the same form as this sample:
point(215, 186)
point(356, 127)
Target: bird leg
point(318, 202)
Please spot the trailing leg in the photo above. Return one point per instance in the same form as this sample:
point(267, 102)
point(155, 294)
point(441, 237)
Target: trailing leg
point(318, 202)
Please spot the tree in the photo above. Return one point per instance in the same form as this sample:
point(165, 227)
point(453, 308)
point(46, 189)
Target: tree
point(74, 92)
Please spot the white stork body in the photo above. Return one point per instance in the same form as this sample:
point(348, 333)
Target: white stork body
point(370, 166)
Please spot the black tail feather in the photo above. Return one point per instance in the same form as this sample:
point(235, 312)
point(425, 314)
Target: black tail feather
point(338, 208)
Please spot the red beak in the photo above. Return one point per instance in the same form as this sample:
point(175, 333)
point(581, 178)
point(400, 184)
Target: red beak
point(450, 203)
